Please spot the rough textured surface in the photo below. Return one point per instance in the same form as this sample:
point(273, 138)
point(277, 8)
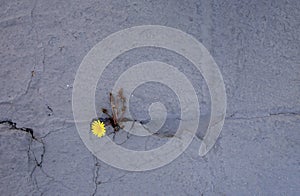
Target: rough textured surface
point(255, 43)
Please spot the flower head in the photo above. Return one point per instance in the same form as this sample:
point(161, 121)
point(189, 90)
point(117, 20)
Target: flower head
point(98, 128)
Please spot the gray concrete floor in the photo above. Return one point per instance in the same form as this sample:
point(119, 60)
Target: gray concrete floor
point(255, 44)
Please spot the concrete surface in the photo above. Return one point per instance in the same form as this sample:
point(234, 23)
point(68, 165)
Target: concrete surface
point(255, 43)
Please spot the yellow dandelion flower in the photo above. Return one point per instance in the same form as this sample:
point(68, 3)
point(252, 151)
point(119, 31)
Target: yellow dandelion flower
point(98, 128)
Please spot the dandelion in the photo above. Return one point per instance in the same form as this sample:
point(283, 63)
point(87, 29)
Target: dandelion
point(98, 128)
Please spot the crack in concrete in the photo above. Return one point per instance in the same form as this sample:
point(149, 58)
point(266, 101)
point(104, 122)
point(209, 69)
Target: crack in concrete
point(13, 125)
point(164, 135)
point(285, 113)
point(38, 163)
point(52, 179)
point(269, 115)
point(95, 176)
point(28, 86)
point(142, 123)
point(96, 180)
point(112, 179)
point(37, 38)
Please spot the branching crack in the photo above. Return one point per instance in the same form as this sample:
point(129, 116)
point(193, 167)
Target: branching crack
point(97, 181)
point(30, 152)
point(39, 163)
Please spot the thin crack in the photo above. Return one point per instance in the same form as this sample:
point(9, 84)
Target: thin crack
point(285, 113)
point(232, 116)
point(167, 135)
point(142, 123)
point(128, 133)
point(127, 138)
point(37, 37)
point(54, 131)
point(35, 63)
point(95, 176)
point(52, 179)
point(96, 180)
point(29, 84)
point(111, 179)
